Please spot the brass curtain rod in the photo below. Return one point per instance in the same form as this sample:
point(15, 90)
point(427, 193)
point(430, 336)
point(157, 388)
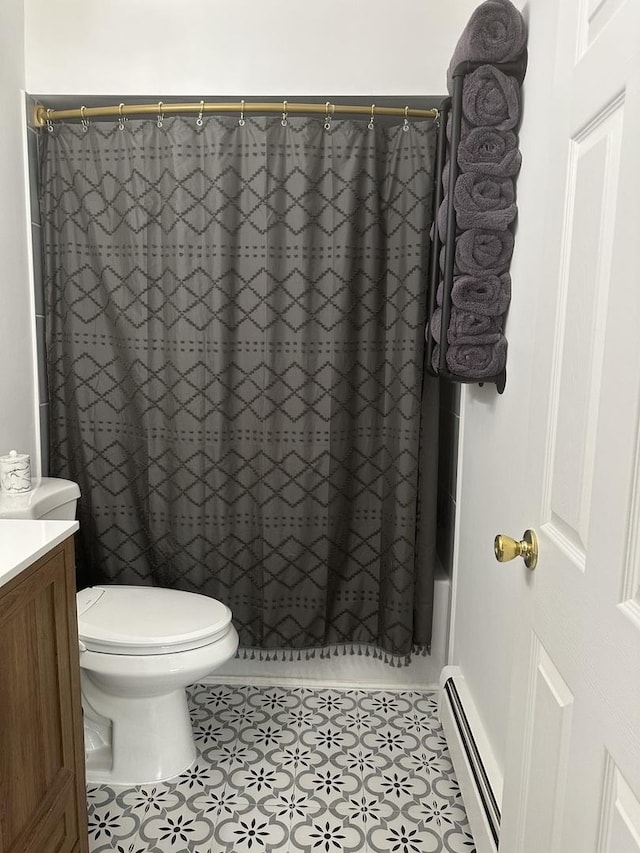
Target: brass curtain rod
point(42, 115)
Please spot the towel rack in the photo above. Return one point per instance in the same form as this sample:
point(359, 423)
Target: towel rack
point(451, 107)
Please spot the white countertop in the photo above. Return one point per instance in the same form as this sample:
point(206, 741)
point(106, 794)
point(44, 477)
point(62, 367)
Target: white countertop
point(23, 541)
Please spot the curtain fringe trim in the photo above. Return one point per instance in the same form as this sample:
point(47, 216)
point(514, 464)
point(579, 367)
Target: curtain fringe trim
point(325, 652)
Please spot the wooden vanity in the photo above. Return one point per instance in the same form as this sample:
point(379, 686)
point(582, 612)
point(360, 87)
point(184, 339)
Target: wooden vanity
point(42, 782)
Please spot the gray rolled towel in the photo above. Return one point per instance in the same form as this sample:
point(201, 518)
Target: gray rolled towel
point(484, 202)
point(491, 99)
point(495, 32)
point(485, 294)
point(490, 151)
point(473, 360)
point(445, 178)
point(464, 324)
point(482, 251)
point(441, 219)
point(477, 360)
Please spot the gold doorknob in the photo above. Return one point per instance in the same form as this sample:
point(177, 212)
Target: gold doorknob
point(505, 548)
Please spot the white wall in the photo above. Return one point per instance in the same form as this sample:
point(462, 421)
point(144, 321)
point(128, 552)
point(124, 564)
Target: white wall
point(208, 47)
point(18, 414)
point(489, 596)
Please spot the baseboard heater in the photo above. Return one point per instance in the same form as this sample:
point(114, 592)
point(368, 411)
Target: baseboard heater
point(483, 789)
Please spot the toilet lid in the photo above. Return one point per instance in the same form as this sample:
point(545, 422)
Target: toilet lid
point(148, 620)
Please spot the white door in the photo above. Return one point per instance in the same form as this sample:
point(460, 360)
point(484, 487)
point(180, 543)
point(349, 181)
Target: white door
point(572, 769)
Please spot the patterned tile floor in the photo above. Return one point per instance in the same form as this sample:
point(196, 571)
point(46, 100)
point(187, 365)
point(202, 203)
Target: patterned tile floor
point(296, 771)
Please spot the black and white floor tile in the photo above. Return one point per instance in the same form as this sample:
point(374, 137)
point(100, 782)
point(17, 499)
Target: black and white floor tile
point(297, 771)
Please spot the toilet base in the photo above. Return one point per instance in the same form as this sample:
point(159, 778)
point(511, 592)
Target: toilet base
point(141, 741)
point(137, 725)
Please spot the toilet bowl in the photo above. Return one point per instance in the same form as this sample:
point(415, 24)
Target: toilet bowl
point(139, 649)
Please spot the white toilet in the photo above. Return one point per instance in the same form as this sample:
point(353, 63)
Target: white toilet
point(139, 648)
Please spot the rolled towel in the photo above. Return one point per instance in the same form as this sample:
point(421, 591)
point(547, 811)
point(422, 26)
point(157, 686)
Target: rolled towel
point(490, 152)
point(441, 219)
point(484, 202)
point(485, 294)
point(464, 324)
point(482, 251)
point(495, 32)
point(433, 326)
point(445, 178)
point(491, 98)
point(475, 360)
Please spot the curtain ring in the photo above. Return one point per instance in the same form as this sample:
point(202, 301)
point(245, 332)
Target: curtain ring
point(49, 122)
point(241, 119)
point(284, 114)
point(199, 121)
point(160, 115)
point(84, 120)
point(121, 117)
point(371, 124)
point(405, 125)
point(327, 118)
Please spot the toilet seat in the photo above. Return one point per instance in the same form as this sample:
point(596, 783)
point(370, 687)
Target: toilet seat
point(143, 620)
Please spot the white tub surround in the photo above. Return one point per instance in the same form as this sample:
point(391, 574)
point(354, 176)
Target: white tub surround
point(347, 671)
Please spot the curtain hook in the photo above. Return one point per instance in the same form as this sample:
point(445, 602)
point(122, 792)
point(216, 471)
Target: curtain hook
point(121, 117)
point(284, 114)
point(405, 125)
point(199, 121)
point(160, 115)
point(371, 124)
point(49, 122)
point(241, 119)
point(84, 119)
point(327, 118)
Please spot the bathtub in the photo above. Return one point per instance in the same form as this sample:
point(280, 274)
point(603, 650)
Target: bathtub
point(344, 671)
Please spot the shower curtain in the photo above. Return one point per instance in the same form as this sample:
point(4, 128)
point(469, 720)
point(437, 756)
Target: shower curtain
point(235, 321)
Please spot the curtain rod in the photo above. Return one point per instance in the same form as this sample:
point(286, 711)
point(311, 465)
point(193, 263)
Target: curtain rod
point(43, 116)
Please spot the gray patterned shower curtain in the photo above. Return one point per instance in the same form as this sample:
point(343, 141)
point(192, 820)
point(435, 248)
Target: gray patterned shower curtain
point(235, 323)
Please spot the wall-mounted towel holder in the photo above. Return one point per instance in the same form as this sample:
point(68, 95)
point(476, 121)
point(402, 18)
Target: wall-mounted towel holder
point(441, 270)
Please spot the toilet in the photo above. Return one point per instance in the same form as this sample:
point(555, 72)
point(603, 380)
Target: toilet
point(140, 647)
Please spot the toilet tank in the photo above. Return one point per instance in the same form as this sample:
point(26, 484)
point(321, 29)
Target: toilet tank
point(51, 499)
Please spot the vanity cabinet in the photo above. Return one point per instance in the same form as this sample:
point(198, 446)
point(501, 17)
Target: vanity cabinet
point(42, 787)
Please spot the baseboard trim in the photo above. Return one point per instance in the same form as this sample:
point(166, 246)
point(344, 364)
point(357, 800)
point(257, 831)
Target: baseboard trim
point(471, 770)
